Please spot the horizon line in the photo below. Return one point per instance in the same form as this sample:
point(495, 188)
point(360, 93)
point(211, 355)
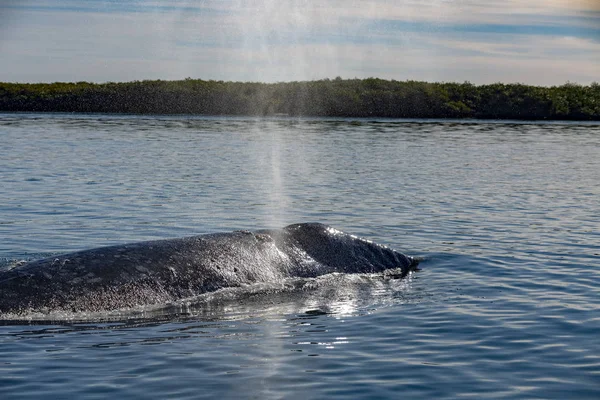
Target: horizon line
point(337, 78)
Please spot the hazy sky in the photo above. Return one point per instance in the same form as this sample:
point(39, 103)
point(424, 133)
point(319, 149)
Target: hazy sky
point(543, 42)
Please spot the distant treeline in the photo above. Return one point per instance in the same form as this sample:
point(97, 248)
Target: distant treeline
point(336, 98)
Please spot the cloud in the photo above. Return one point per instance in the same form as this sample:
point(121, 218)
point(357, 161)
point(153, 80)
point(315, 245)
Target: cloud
point(538, 41)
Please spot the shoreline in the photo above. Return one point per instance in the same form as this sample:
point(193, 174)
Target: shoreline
point(351, 98)
point(358, 120)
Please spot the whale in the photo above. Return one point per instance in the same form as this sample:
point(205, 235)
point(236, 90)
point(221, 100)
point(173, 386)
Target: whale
point(167, 270)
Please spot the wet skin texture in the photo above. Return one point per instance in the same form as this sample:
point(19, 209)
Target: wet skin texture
point(161, 271)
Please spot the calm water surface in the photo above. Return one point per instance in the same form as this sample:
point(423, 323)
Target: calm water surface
point(505, 215)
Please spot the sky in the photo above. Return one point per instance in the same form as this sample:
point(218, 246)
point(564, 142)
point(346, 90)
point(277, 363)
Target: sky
point(537, 42)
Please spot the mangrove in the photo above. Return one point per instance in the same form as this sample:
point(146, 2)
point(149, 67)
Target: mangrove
point(337, 97)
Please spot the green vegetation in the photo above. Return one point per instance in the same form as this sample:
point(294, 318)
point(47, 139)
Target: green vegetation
point(340, 98)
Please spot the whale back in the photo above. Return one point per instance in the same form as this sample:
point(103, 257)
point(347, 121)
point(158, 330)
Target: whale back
point(336, 251)
point(129, 275)
point(161, 271)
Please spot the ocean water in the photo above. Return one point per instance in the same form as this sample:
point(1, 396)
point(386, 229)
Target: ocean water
point(505, 215)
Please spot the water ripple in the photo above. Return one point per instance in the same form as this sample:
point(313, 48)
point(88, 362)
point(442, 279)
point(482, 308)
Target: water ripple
point(504, 215)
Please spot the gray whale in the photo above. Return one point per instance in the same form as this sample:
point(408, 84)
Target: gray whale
point(162, 271)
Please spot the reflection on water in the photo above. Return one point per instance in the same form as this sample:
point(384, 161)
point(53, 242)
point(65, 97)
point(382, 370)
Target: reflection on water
point(255, 337)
